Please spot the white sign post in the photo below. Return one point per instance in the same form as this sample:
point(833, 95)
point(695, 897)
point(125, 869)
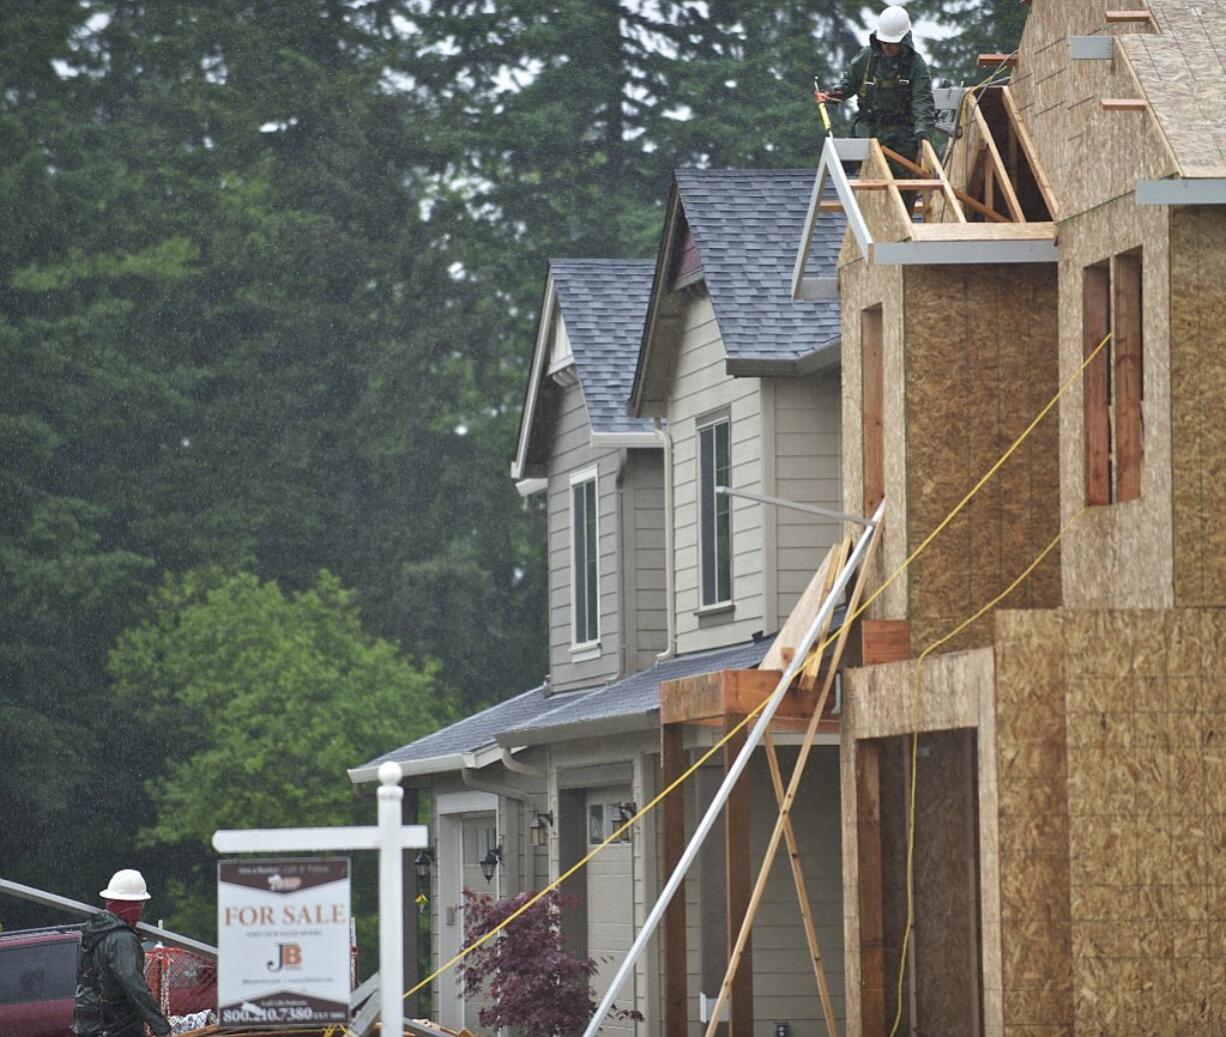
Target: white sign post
point(389, 838)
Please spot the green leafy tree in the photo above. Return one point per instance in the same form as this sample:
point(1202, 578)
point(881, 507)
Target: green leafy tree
point(249, 703)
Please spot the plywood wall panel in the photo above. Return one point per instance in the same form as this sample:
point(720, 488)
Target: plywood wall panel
point(1198, 374)
point(980, 363)
point(1120, 555)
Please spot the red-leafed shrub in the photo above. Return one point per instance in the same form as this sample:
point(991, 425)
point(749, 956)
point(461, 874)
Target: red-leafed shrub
point(529, 978)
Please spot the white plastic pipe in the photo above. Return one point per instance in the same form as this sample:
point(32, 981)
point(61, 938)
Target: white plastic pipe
point(734, 772)
point(391, 915)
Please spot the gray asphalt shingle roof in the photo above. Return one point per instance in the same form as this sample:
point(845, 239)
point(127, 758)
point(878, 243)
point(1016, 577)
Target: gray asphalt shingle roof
point(640, 693)
point(480, 729)
point(604, 304)
point(747, 224)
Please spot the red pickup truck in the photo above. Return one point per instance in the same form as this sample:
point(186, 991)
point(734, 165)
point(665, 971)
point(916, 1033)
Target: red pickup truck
point(38, 978)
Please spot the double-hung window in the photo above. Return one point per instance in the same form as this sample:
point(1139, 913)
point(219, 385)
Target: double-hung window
point(715, 512)
point(585, 559)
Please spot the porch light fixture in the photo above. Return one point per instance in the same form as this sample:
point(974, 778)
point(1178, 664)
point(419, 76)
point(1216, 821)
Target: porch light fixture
point(422, 864)
point(490, 862)
point(625, 811)
point(538, 828)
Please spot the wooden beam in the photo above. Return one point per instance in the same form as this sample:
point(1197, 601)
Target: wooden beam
point(672, 765)
point(962, 196)
point(1002, 175)
point(998, 59)
point(875, 147)
point(830, 205)
point(1031, 152)
point(802, 892)
point(884, 641)
point(903, 185)
point(1126, 343)
point(1096, 322)
point(951, 199)
point(737, 821)
point(872, 922)
point(1123, 104)
point(794, 627)
point(1125, 17)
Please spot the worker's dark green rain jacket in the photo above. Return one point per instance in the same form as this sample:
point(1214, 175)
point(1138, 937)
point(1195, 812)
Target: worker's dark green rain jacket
point(112, 995)
point(894, 96)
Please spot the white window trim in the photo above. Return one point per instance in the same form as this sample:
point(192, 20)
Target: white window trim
point(723, 418)
point(583, 651)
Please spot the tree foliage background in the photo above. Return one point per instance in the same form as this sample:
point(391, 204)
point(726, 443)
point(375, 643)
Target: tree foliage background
point(268, 273)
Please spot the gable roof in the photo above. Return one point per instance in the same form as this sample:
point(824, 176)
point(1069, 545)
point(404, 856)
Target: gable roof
point(447, 749)
point(603, 303)
point(746, 225)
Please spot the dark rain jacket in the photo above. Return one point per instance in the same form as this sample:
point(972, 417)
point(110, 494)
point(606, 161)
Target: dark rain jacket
point(893, 94)
point(112, 997)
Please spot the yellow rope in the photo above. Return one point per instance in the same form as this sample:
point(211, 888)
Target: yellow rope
point(729, 735)
point(915, 725)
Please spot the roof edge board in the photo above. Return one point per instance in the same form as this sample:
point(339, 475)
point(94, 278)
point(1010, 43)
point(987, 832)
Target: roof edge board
point(825, 356)
point(1182, 191)
point(941, 253)
point(531, 487)
point(538, 361)
point(625, 440)
point(834, 151)
point(658, 285)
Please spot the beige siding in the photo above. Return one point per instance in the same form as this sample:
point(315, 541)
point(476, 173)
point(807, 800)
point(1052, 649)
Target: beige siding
point(700, 388)
point(806, 469)
point(642, 565)
point(572, 452)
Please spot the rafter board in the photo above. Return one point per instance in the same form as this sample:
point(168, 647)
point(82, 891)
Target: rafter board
point(1031, 152)
point(997, 164)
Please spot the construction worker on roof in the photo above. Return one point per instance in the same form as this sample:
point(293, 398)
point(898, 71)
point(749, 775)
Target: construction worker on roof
point(892, 87)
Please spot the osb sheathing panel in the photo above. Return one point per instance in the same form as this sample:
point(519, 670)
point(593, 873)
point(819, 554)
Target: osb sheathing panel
point(981, 361)
point(1090, 155)
point(1112, 742)
point(1120, 555)
point(956, 691)
point(1198, 389)
point(1184, 80)
point(862, 286)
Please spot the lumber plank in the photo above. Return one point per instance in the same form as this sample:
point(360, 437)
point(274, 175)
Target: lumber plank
point(896, 203)
point(672, 765)
point(799, 618)
point(905, 185)
point(986, 232)
point(884, 641)
point(966, 199)
point(1030, 151)
point(737, 819)
point(1126, 345)
point(951, 199)
point(1124, 17)
point(985, 60)
point(1123, 104)
point(997, 164)
point(872, 922)
point(1096, 320)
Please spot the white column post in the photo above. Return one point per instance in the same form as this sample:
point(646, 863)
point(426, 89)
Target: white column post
point(391, 916)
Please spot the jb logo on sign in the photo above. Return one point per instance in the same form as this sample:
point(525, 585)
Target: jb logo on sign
point(289, 956)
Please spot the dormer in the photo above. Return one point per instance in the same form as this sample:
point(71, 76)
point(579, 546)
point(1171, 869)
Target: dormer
point(600, 473)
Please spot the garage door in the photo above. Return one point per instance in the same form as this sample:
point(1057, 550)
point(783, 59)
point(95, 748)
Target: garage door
point(610, 899)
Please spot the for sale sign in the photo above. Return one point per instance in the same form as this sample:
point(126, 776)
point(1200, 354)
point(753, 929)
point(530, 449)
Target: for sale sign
point(283, 942)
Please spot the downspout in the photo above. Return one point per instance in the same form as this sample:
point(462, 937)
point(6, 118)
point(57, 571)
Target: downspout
point(670, 576)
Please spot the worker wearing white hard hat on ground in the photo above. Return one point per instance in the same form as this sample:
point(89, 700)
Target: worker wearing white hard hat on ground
point(113, 999)
point(892, 87)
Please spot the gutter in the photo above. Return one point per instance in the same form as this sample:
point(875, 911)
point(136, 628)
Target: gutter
point(514, 765)
point(447, 763)
point(600, 727)
point(665, 438)
point(821, 358)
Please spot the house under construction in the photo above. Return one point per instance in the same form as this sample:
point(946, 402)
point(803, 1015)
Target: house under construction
point(1013, 816)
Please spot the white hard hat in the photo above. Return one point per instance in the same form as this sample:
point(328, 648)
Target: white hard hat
point(128, 884)
point(893, 25)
